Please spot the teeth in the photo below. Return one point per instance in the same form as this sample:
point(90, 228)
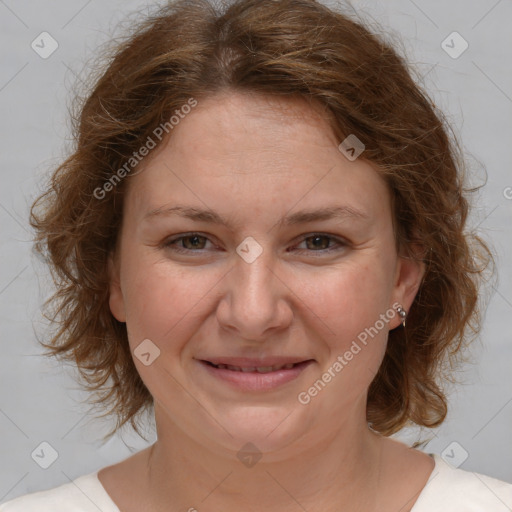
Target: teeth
point(264, 369)
point(259, 369)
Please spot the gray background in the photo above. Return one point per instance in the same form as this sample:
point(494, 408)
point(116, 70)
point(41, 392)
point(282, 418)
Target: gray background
point(40, 401)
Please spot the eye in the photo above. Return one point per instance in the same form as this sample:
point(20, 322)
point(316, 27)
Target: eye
point(192, 242)
point(319, 242)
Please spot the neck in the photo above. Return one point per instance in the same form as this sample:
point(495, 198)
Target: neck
point(328, 470)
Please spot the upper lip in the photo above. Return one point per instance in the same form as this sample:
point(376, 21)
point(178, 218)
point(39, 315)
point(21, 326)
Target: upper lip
point(252, 362)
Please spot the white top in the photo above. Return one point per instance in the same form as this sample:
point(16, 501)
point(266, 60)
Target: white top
point(447, 490)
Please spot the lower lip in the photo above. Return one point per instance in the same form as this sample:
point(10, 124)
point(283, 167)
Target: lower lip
point(254, 381)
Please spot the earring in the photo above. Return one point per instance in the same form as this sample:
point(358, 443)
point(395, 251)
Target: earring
point(402, 314)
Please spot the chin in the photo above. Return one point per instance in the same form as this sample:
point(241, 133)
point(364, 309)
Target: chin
point(268, 429)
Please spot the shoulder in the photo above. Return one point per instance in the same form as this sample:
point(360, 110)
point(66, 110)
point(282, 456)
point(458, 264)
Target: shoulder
point(84, 494)
point(450, 489)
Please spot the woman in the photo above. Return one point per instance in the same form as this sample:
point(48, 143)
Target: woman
point(260, 235)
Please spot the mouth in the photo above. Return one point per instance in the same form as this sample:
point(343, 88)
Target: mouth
point(252, 369)
point(255, 374)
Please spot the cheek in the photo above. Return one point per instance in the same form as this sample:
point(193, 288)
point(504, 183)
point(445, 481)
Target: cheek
point(163, 302)
point(353, 305)
point(348, 299)
point(353, 309)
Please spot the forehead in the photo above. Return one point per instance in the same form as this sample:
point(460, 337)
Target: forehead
point(247, 125)
point(253, 152)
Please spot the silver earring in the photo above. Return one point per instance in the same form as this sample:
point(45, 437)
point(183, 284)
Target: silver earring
point(402, 314)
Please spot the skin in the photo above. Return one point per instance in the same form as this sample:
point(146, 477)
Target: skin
point(254, 160)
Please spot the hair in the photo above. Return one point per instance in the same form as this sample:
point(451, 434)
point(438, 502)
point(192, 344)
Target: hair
point(285, 48)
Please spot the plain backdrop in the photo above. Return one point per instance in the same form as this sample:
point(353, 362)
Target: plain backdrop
point(39, 398)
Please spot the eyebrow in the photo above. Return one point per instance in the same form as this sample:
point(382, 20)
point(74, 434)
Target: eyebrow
point(302, 217)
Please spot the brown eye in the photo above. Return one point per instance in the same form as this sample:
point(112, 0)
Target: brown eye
point(322, 243)
point(318, 242)
point(193, 242)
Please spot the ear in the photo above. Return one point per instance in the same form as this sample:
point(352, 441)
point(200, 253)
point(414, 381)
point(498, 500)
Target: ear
point(408, 277)
point(116, 300)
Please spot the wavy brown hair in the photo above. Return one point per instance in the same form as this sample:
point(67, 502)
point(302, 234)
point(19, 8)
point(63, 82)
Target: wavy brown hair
point(283, 48)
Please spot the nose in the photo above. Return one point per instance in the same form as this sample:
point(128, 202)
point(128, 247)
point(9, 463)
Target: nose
point(256, 301)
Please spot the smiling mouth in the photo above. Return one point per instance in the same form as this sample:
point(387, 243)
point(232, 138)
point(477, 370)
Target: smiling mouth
point(255, 369)
point(252, 375)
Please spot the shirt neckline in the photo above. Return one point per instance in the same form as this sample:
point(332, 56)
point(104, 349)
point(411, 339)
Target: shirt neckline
point(439, 464)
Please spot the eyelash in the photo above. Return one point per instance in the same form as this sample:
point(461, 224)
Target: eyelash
point(170, 244)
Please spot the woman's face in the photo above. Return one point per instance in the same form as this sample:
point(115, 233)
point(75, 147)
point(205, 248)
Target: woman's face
point(258, 280)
